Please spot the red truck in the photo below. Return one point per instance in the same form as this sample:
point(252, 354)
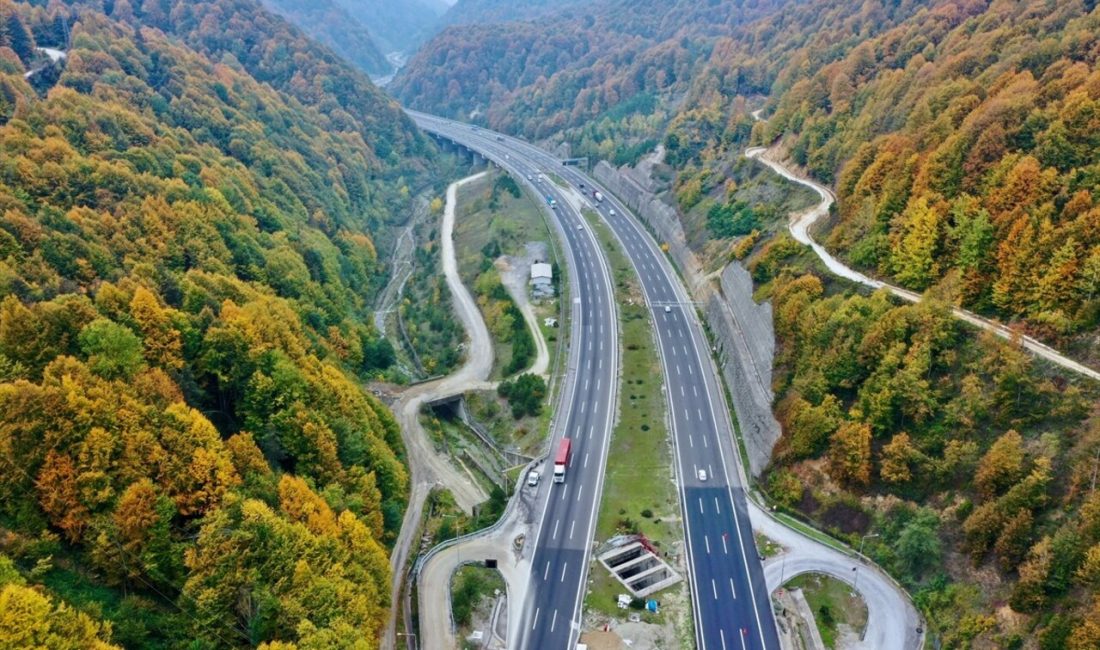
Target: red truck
point(565, 450)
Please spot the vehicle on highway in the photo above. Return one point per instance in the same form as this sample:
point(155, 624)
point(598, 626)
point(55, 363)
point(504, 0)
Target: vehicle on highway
point(533, 478)
point(668, 309)
point(561, 461)
point(551, 202)
point(500, 138)
point(598, 196)
point(528, 177)
point(611, 212)
point(580, 226)
point(702, 475)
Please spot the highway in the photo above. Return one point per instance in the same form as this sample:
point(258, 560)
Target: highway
point(550, 613)
point(731, 603)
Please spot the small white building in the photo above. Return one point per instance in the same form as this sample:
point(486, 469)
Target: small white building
point(542, 270)
point(542, 280)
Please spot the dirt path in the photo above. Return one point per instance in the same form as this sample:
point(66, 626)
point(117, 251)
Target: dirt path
point(53, 54)
point(426, 466)
point(401, 262)
point(800, 225)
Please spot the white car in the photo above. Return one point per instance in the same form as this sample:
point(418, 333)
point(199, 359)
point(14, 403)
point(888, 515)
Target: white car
point(611, 212)
point(528, 177)
point(533, 478)
point(668, 309)
point(580, 226)
point(702, 475)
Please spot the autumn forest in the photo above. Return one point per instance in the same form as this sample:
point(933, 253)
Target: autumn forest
point(188, 222)
point(198, 206)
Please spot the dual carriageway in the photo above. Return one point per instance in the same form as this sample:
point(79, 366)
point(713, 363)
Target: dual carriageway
point(731, 603)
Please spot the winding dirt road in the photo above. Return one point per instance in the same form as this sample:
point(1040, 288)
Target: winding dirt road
point(800, 225)
point(426, 466)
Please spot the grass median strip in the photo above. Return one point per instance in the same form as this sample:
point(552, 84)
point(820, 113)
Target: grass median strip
point(639, 495)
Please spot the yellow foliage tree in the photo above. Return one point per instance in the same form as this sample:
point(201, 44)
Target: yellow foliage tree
point(1086, 636)
point(59, 496)
point(303, 505)
point(850, 453)
point(30, 619)
point(162, 341)
point(1001, 466)
point(896, 458)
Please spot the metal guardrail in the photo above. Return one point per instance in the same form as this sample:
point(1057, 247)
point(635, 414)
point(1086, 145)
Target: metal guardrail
point(421, 560)
point(513, 457)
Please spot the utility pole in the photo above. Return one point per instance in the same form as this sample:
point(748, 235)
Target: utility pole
point(855, 583)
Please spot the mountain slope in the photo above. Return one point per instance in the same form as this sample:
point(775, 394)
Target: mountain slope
point(960, 140)
point(330, 24)
point(398, 26)
point(571, 67)
point(480, 12)
point(931, 128)
point(959, 149)
point(187, 224)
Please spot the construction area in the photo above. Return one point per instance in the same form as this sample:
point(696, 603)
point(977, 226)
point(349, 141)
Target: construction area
point(638, 566)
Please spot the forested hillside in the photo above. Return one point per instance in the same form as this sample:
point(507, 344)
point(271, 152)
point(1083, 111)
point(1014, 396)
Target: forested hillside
point(330, 24)
point(937, 124)
point(396, 25)
point(479, 12)
point(968, 463)
point(960, 138)
point(187, 225)
point(609, 59)
point(971, 460)
point(966, 152)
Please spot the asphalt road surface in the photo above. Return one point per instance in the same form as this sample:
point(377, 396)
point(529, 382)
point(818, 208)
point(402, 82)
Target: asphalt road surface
point(550, 615)
point(730, 600)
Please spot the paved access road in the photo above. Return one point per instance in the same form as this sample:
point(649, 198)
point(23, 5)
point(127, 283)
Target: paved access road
point(730, 599)
point(549, 617)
